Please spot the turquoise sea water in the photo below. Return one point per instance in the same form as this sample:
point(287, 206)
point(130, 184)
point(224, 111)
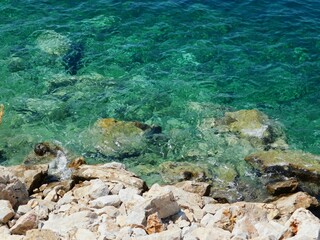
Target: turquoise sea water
point(171, 63)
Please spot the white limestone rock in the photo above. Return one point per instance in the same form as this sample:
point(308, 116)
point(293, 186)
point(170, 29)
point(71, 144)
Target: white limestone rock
point(6, 211)
point(302, 225)
point(26, 222)
point(110, 200)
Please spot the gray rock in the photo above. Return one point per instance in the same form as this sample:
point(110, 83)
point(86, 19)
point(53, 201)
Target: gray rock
point(94, 189)
point(208, 234)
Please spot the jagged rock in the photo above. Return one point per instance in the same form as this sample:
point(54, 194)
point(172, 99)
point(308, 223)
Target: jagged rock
point(110, 200)
point(172, 172)
point(76, 163)
point(302, 225)
point(118, 139)
point(154, 224)
point(31, 175)
point(64, 224)
point(288, 204)
point(1, 112)
point(185, 200)
point(6, 211)
point(26, 222)
point(254, 126)
point(12, 189)
point(41, 234)
point(108, 173)
point(282, 187)
point(92, 189)
point(53, 43)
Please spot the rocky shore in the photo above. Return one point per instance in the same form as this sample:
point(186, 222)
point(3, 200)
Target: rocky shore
point(50, 197)
point(108, 202)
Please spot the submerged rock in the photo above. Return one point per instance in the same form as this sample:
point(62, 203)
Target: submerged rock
point(256, 127)
point(42, 153)
point(120, 139)
point(173, 172)
point(53, 43)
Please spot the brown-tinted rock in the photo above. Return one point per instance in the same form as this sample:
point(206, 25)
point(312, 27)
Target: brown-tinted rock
point(305, 166)
point(32, 175)
point(154, 224)
point(282, 187)
point(108, 173)
point(12, 189)
point(288, 204)
point(41, 234)
point(77, 162)
point(26, 222)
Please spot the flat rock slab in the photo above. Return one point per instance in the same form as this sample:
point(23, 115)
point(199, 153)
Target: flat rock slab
point(306, 166)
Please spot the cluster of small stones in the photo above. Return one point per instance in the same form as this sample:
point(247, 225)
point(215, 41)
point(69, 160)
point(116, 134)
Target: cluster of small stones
point(108, 202)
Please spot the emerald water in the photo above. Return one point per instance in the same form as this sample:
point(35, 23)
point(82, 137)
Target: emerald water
point(170, 63)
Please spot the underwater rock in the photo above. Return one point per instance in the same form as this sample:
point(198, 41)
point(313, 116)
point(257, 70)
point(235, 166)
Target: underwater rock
point(72, 59)
point(53, 43)
point(254, 126)
point(173, 172)
point(1, 112)
point(120, 139)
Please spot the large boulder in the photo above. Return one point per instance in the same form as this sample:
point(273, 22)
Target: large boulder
point(119, 139)
point(109, 172)
point(53, 43)
point(12, 189)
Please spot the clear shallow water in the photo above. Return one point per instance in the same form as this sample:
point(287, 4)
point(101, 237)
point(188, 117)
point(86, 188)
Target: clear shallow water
point(170, 63)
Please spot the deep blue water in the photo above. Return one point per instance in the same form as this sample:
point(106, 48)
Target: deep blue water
point(150, 61)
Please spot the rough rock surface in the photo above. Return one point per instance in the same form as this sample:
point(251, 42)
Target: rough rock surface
point(6, 211)
point(91, 210)
point(11, 188)
point(254, 126)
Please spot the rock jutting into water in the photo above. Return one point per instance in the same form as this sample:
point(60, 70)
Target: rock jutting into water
point(108, 202)
point(279, 165)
